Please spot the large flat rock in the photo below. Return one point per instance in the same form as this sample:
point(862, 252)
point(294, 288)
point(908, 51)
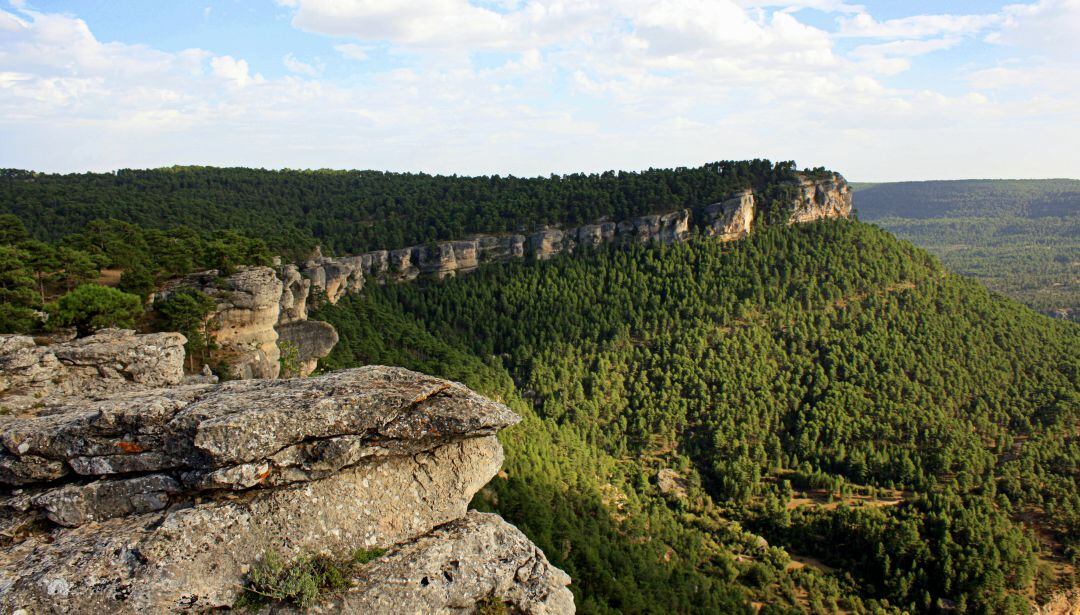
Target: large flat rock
point(194, 556)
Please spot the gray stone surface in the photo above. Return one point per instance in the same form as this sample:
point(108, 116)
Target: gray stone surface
point(732, 218)
point(206, 428)
point(312, 340)
point(162, 501)
point(194, 558)
point(451, 569)
point(109, 361)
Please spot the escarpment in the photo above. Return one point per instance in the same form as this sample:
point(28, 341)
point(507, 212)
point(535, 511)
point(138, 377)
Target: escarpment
point(730, 219)
point(261, 324)
point(164, 500)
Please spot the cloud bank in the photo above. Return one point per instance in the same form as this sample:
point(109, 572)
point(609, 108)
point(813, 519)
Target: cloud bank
point(560, 85)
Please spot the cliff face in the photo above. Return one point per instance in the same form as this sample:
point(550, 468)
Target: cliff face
point(259, 309)
point(164, 500)
point(821, 198)
point(727, 220)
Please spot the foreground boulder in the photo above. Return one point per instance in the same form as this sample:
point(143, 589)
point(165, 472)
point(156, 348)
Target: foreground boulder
point(163, 501)
point(110, 361)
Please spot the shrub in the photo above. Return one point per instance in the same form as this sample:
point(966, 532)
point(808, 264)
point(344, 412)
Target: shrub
point(91, 307)
point(303, 581)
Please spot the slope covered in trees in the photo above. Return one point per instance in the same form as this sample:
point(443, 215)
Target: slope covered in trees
point(350, 212)
point(910, 439)
point(1019, 237)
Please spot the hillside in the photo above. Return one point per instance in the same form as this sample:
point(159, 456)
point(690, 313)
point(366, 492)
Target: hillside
point(893, 436)
point(349, 212)
point(1019, 237)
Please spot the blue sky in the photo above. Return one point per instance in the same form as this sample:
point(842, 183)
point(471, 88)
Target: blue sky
point(877, 90)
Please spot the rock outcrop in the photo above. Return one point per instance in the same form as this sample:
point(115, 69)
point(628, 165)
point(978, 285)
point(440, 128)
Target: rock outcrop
point(249, 306)
point(821, 198)
point(310, 340)
point(163, 500)
point(731, 219)
point(728, 220)
point(111, 360)
point(455, 567)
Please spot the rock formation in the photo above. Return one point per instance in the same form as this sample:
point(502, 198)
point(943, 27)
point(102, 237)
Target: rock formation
point(258, 310)
point(435, 578)
point(311, 340)
point(249, 305)
point(727, 220)
point(109, 361)
point(162, 501)
point(821, 198)
point(731, 219)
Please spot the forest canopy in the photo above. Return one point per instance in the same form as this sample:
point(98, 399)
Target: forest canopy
point(350, 212)
point(826, 386)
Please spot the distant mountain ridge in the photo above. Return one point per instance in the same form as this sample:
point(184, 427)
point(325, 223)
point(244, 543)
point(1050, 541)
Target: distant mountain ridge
point(1019, 237)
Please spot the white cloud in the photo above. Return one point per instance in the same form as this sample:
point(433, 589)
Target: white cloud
point(301, 68)
point(829, 6)
point(863, 25)
point(233, 70)
point(352, 51)
point(895, 56)
point(1047, 25)
point(563, 86)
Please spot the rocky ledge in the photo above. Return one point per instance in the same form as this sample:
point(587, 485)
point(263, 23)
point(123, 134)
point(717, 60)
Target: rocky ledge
point(164, 500)
point(110, 361)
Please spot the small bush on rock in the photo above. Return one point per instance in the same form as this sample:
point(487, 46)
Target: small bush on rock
point(302, 582)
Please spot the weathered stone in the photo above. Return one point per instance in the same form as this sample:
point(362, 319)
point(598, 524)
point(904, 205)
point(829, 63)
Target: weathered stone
point(195, 558)
point(401, 267)
point(109, 361)
point(452, 569)
point(249, 303)
point(294, 295)
point(821, 198)
point(731, 219)
point(209, 427)
point(197, 482)
point(312, 340)
point(26, 469)
point(545, 244)
point(74, 505)
point(671, 483)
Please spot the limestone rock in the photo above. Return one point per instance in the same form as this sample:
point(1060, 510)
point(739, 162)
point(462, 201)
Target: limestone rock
point(249, 303)
point(295, 290)
point(248, 306)
point(108, 361)
point(731, 219)
point(451, 569)
point(204, 428)
point(545, 244)
point(194, 558)
point(312, 339)
point(821, 198)
point(193, 484)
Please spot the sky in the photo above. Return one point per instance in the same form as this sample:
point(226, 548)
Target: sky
point(880, 91)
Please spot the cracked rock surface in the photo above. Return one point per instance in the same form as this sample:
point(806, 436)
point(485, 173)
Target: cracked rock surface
point(452, 569)
point(162, 501)
point(107, 362)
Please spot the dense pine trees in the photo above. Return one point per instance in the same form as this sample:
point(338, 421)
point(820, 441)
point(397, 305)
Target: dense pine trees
point(350, 212)
point(826, 386)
